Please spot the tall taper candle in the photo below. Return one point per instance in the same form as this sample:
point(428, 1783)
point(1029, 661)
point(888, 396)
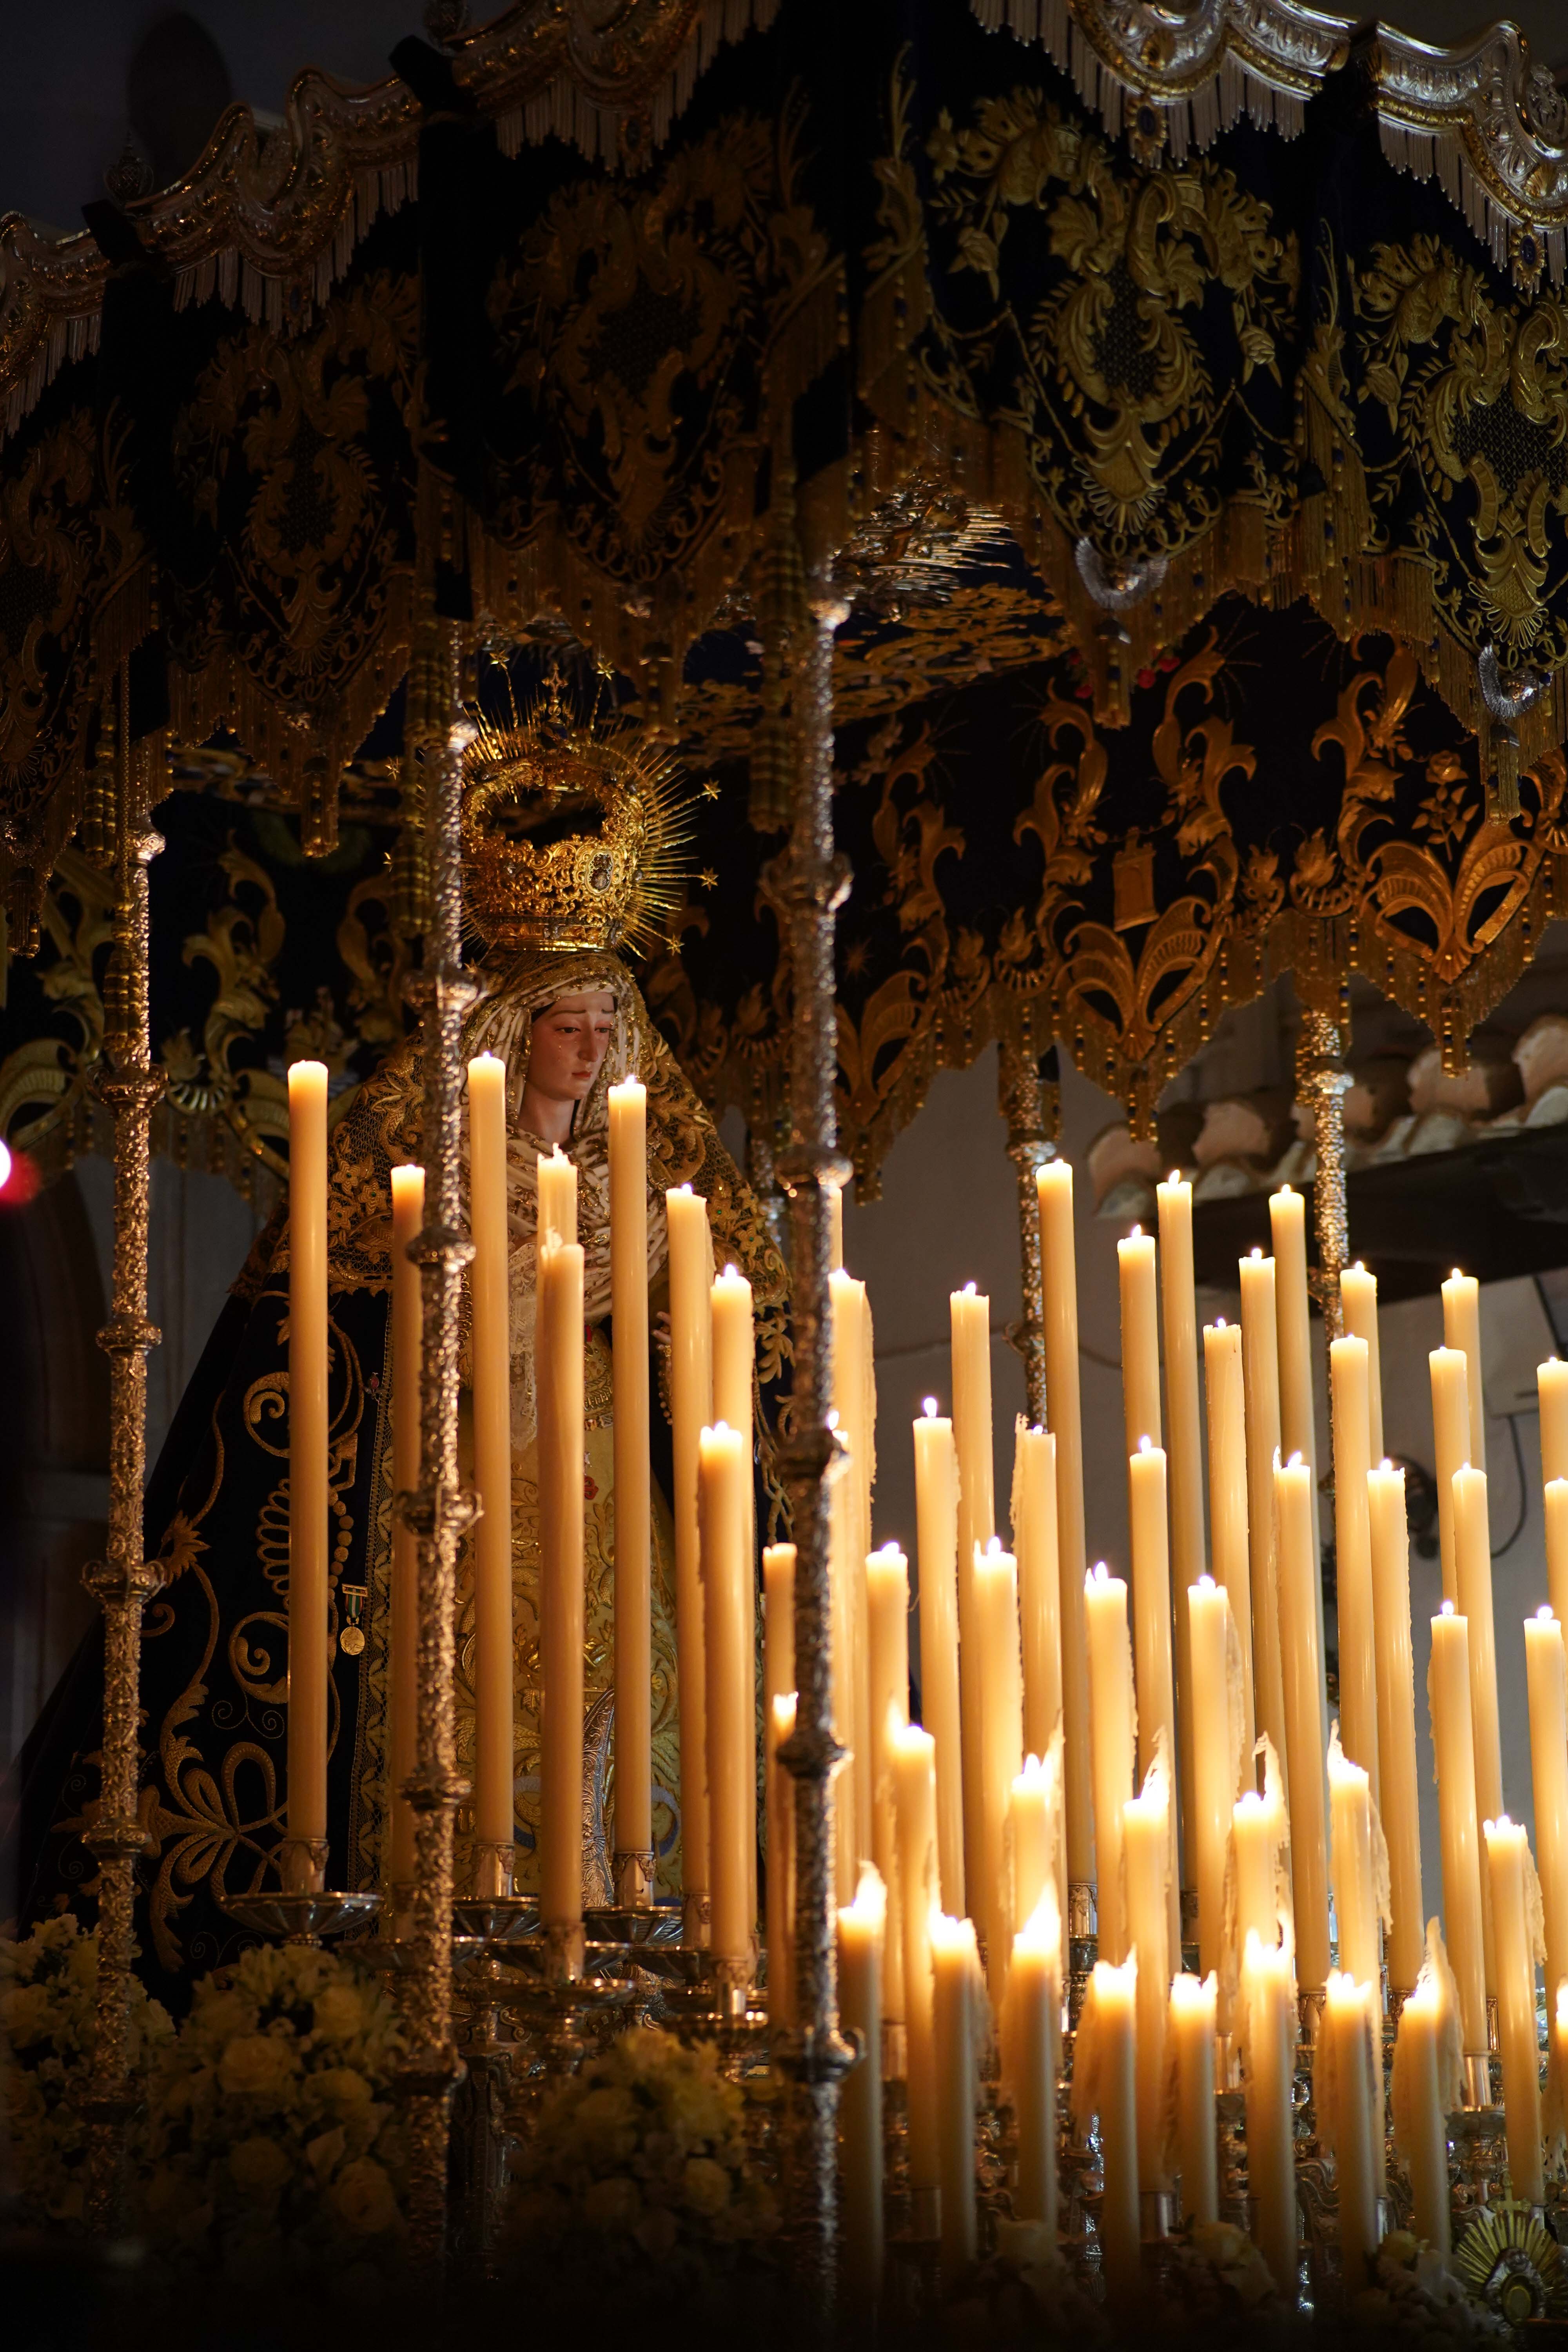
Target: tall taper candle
point(559, 1332)
point(1473, 1570)
point(634, 1499)
point(914, 1800)
point(854, 1400)
point(1462, 1329)
point(1451, 1448)
point(1397, 1720)
point(403, 1671)
point(1426, 2089)
point(1347, 2081)
point(1001, 1746)
point(1358, 1302)
point(489, 1281)
point(1104, 2084)
point(1352, 1555)
point(957, 1993)
point(309, 1423)
point(1268, 2049)
point(862, 1934)
point(1508, 1866)
point(1557, 1500)
point(1303, 1719)
point(690, 1411)
point(1058, 1254)
point(557, 1211)
point(731, 1776)
point(778, 1618)
point(1039, 1583)
point(1260, 1364)
point(1352, 1865)
point(734, 1364)
point(779, 1723)
point(1191, 2023)
point(1453, 1740)
point(1552, 1391)
point(888, 1644)
point(1146, 1867)
point(1110, 1721)
point(1030, 2048)
point(1153, 1671)
point(1140, 1338)
point(1215, 1758)
point(1179, 1321)
point(1546, 1672)
point(936, 1524)
point(1297, 1419)
point(971, 1434)
point(1227, 1400)
point(1034, 1832)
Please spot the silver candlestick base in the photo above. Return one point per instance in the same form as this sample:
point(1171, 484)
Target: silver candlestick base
point(294, 1917)
point(632, 1877)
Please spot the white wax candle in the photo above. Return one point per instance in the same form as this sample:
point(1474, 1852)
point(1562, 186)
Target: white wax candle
point(957, 1993)
point(1426, 2088)
point(1347, 2081)
point(1030, 2050)
point(1146, 1871)
point(888, 1644)
point(1191, 2037)
point(691, 1411)
point(1227, 1494)
point(914, 1799)
point(732, 1780)
point(1352, 1554)
point(971, 1327)
point(1358, 1303)
point(1552, 1389)
point(1473, 1571)
point(1397, 1720)
point(1179, 1321)
point(1260, 1364)
point(1453, 1740)
point(1110, 1718)
point(862, 1927)
point(1556, 1499)
point(1039, 1583)
point(1153, 1663)
point(1215, 1758)
point(1546, 1672)
point(558, 1328)
point(557, 1195)
point(1104, 2084)
point(491, 1289)
point(1303, 1718)
point(1000, 1745)
point(1269, 2027)
point(1297, 1420)
point(1353, 1857)
point(1053, 1188)
point(1451, 1447)
point(855, 1402)
point(634, 1496)
point(1462, 1329)
point(1510, 1871)
point(402, 1672)
point(1140, 1338)
point(309, 1424)
point(778, 1618)
point(779, 1720)
point(936, 1522)
point(1035, 1832)
point(1258, 1829)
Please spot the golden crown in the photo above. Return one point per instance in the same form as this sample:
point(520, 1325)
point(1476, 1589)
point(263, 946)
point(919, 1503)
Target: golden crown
point(573, 834)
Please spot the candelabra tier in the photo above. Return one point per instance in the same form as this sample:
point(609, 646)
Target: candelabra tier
point(303, 1918)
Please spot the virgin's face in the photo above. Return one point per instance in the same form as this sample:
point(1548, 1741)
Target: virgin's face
point(568, 1044)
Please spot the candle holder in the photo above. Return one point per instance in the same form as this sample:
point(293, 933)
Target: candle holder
point(1230, 2134)
point(1082, 1946)
point(493, 1864)
point(716, 2000)
point(1478, 2135)
point(633, 1926)
point(696, 1920)
point(298, 1912)
point(543, 1984)
point(631, 1875)
point(1309, 2008)
point(497, 1919)
point(1157, 2221)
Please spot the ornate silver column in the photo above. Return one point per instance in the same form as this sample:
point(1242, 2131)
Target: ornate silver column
point(440, 1508)
point(1321, 1084)
point(807, 883)
point(1029, 1105)
point(123, 1581)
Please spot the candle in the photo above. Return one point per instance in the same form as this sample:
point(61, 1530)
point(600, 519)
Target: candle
point(1427, 2085)
point(690, 1411)
point(1146, 1867)
point(1059, 1256)
point(1030, 2050)
point(1258, 1831)
point(634, 1499)
point(936, 1525)
point(1191, 2038)
point(309, 1494)
point(1153, 1673)
point(887, 1633)
point(1268, 2030)
point(1039, 1583)
point(914, 1801)
point(1552, 1389)
point(1104, 2084)
point(780, 1721)
point(1260, 1365)
point(1347, 2085)
point(1510, 1871)
point(1140, 1338)
point(1556, 1497)
point(1297, 1421)
point(1034, 1832)
point(491, 1289)
point(403, 1677)
point(1227, 1494)
point(778, 1620)
point(1358, 1303)
point(1303, 1718)
point(1556, 2115)
point(1473, 1571)
point(558, 1331)
point(734, 1360)
point(1453, 1740)
point(1000, 1744)
point(862, 1927)
point(854, 1399)
point(1216, 1759)
point(732, 1780)
point(1111, 1719)
point(955, 1996)
point(1546, 1672)
point(971, 1323)
point(778, 1785)
point(835, 1226)
point(1462, 1330)
point(1451, 1444)
point(1352, 1554)
point(558, 1195)
point(1360, 1900)
point(1399, 1806)
point(1178, 1308)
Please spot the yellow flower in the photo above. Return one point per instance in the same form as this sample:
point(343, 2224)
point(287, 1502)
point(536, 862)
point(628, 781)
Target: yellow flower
point(258, 2167)
point(326, 2150)
point(613, 2204)
point(256, 2065)
point(364, 2199)
point(705, 2185)
point(25, 2014)
point(344, 2089)
point(340, 2012)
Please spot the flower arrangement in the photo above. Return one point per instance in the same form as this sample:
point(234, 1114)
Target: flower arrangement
point(1414, 2298)
point(272, 2151)
point(48, 1991)
point(639, 2161)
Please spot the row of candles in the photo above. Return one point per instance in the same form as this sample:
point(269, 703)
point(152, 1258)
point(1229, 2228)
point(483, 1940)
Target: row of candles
point(1057, 1731)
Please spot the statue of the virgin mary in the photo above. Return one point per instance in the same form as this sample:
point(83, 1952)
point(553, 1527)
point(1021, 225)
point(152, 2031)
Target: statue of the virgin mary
point(561, 873)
